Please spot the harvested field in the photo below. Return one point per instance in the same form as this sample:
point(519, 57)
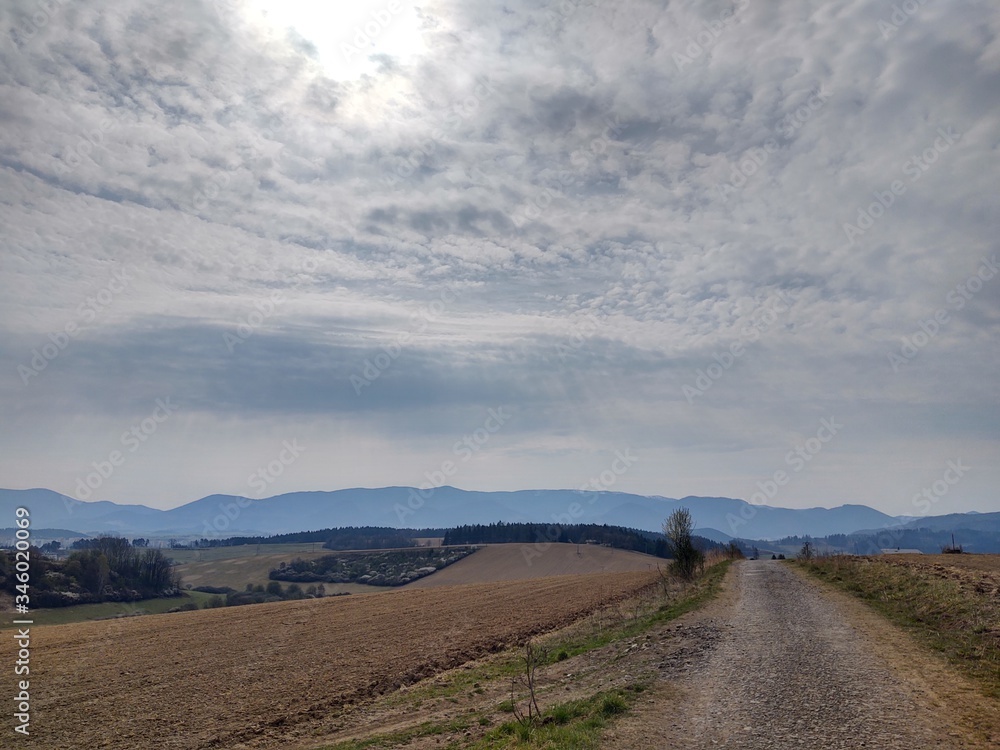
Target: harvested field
point(519, 562)
point(277, 675)
point(975, 576)
point(954, 563)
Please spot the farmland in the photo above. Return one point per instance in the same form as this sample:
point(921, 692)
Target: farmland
point(282, 673)
point(514, 562)
point(235, 567)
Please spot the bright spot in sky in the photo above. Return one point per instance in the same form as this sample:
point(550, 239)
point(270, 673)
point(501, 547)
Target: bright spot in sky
point(347, 34)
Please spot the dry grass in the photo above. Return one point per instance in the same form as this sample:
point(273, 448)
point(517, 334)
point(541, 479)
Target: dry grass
point(953, 607)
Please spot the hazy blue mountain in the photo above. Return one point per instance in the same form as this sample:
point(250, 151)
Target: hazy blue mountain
point(714, 535)
point(957, 521)
point(52, 510)
point(225, 515)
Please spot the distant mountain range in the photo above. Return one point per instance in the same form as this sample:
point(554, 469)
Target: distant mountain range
point(217, 516)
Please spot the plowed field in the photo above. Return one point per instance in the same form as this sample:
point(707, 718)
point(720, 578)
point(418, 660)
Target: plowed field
point(518, 562)
point(276, 675)
point(976, 574)
point(987, 563)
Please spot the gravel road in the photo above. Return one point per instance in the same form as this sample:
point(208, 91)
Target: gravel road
point(787, 670)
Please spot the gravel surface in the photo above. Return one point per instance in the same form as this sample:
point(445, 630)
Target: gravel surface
point(792, 673)
point(786, 670)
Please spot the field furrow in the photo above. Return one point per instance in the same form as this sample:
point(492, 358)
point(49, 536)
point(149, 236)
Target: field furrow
point(274, 675)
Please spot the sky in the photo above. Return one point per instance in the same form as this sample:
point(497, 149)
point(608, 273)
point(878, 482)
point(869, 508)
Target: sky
point(742, 249)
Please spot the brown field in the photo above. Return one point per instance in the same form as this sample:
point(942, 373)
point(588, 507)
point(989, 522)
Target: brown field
point(277, 675)
point(508, 562)
point(978, 573)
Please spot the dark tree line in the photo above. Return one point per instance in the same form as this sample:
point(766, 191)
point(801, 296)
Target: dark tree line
point(618, 537)
point(103, 569)
point(348, 537)
point(375, 568)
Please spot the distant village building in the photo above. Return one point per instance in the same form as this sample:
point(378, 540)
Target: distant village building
point(898, 551)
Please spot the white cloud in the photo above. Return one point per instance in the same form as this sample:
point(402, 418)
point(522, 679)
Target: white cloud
point(548, 165)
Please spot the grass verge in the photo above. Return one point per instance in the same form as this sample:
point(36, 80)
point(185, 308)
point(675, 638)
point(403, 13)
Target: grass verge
point(694, 596)
point(107, 610)
point(572, 641)
point(573, 724)
point(961, 623)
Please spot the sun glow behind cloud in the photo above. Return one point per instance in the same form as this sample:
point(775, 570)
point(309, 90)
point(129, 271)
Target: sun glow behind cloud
point(347, 36)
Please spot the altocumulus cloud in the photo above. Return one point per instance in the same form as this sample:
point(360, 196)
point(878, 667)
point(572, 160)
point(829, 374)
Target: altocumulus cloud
point(530, 205)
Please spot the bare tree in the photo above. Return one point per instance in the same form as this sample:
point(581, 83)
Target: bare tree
point(530, 714)
point(688, 559)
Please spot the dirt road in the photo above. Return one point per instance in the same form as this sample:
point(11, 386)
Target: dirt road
point(791, 666)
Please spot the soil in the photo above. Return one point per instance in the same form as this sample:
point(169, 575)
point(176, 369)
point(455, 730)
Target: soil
point(518, 562)
point(276, 675)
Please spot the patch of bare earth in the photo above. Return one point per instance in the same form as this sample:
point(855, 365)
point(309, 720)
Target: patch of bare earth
point(283, 675)
point(520, 562)
point(796, 664)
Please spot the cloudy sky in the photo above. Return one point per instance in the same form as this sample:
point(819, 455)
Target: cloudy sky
point(744, 244)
